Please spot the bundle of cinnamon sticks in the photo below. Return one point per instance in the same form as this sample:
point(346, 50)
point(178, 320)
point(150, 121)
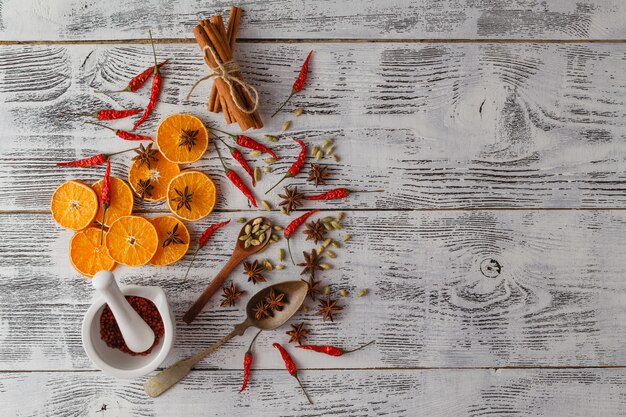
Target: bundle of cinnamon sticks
point(222, 41)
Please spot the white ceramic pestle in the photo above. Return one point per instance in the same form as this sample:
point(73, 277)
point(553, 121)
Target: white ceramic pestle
point(135, 331)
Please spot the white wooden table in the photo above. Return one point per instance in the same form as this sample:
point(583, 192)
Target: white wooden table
point(497, 130)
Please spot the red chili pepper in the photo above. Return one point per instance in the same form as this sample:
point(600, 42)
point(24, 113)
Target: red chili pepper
point(299, 83)
point(247, 363)
point(331, 350)
point(108, 114)
point(248, 142)
point(293, 226)
point(203, 239)
point(105, 195)
point(136, 82)
point(92, 161)
point(337, 193)
point(122, 133)
point(291, 367)
point(238, 156)
point(237, 181)
point(154, 92)
point(296, 167)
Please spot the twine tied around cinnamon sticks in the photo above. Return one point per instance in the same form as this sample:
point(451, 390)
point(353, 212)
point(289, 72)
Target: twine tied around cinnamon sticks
point(238, 100)
point(226, 71)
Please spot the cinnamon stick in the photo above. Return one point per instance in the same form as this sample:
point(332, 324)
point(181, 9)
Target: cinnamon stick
point(215, 105)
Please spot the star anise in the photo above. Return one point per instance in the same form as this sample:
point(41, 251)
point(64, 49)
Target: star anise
point(261, 311)
point(172, 237)
point(253, 271)
point(315, 231)
point(183, 198)
point(312, 289)
point(230, 295)
point(291, 199)
point(298, 333)
point(327, 308)
point(144, 188)
point(318, 174)
point(145, 155)
point(188, 138)
point(276, 300)
point(311, 263)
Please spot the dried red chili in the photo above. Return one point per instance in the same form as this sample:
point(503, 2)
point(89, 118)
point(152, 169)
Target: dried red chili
point(122, 134)
point(110, 332)
point(247, 363)
point(291, 367)
point(249, 143)
point(203, 239)
point(296, 167)
point(237, 181)
point(293, 226)
point(238, 156)
point(154, 92)
point(299, 83)
point(337, 193)
point(92, 161)
point(105, 195)
point(136, 82)
point(108, 114)
point(332, 350)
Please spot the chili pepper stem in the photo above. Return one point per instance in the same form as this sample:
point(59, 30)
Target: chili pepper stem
point(303, 390)
point(367, 191)
point(222, 131)
point(221, 160)
point(253, 340)
point(104, 212)
point(281, 180)
point(101, 125)
point(156, 64)
point(293, 93)
point(78, 114)
point(289, 248)
point(120, 152)
point(193, 258)
point(230, 148)
point(125, 90)
point(359, 348)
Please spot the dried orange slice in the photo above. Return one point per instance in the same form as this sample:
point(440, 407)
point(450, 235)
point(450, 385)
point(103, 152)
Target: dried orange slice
point(74, 205)
point(131, 240)
point(182, 138)
point(121, 201)
point(191, 195)
point(150, 183)
point(173, 240)
point(87, 255)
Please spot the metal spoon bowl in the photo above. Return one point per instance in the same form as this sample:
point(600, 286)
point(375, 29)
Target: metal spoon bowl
point(295, 292)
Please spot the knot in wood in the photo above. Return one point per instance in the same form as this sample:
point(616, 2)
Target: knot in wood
point(490, 268)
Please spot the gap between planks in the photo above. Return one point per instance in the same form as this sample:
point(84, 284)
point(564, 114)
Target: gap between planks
point(306, 40)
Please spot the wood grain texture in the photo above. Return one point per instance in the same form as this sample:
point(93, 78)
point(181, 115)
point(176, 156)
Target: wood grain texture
point(437, 393)
point(325, 19)
point(433, 301)
point(436, 126)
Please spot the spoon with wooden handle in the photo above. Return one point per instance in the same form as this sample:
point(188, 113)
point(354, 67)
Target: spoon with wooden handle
point(242, 250)
point(295, 293)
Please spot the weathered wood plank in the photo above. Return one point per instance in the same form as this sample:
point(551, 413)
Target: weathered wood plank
point(558, 299)
point(436, 126)
point(532, 392)
point(327, 19)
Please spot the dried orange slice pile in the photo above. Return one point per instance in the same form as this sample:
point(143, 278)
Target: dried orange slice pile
point(154, 175)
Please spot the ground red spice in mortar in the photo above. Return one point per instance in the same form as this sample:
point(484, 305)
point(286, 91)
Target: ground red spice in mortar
point(110, 331)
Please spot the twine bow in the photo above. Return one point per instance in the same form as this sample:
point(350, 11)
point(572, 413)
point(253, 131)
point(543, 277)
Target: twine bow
point(225, 71)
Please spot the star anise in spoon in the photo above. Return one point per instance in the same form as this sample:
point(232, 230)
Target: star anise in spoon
point(183, 198)
point(261, 311)
point(298, 333)
point(145, 155)
point(275, 300)
point(291, 199)
point(312, 289)
point(188, 138)
point(318, 174)
point(230, 295)
point(315, 231)
point(311, 263)
point(327, 307)
point(144, 188)
point(172, 237)
point(254, 271)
